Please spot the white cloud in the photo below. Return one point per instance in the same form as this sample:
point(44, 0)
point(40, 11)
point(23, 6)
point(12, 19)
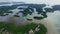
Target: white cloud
point(52, 2)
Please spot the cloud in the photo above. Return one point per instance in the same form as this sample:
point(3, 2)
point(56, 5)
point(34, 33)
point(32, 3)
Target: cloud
point(52, 2)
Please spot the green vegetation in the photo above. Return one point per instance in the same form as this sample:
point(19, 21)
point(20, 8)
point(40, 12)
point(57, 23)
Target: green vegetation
point(39, 10)
point(9, 12)
point(5, 9)
point(29, 19)
point(38, 18)
point(16, 15)
point(27, 11)
point(49, 9)
point(11, 28)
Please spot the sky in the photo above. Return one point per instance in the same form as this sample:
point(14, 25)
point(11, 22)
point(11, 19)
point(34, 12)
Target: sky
point(51, 2)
